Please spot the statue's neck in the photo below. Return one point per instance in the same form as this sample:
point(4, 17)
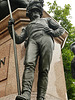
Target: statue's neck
point(34, 18)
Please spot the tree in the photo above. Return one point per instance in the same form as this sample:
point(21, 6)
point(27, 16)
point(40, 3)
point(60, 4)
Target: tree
point(62, 15)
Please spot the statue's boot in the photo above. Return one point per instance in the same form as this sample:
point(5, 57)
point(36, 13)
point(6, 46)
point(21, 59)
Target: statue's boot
point(20, 97)
point(23, 96)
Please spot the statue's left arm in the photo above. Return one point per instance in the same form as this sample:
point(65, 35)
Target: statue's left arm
point(57, 30)
point(18, 38)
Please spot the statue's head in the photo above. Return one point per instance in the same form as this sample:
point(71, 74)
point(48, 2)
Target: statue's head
point(34, 6)
point(72, 46)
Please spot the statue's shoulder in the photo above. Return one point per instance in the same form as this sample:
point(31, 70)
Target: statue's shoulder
point(47, 19)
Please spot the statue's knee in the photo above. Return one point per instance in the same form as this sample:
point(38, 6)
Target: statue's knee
point(43, 73)
point(30, 66)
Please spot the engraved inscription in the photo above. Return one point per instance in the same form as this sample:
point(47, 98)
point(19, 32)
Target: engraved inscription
point(4, 61)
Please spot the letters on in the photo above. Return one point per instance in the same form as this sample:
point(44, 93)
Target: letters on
point(2, 61)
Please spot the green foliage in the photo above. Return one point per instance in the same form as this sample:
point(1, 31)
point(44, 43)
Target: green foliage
point(62, 15)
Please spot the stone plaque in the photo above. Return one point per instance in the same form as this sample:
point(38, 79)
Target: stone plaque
point(4, 61)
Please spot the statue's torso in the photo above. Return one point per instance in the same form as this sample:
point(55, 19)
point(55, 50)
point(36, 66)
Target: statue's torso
point(37, 25)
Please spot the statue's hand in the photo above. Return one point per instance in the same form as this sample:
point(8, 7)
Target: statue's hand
point(50, 31)
point(11, 21)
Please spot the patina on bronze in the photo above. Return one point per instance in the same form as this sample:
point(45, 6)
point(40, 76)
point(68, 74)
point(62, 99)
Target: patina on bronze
point(72, 46)
point(4, 11)
point(40, 33)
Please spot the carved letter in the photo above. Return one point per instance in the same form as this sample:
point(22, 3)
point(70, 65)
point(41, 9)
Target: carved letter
point(3, 62)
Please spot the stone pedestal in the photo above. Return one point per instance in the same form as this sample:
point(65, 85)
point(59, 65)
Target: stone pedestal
point(8, 85)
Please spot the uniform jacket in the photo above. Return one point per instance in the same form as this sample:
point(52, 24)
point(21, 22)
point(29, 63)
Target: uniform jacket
point(47, 25)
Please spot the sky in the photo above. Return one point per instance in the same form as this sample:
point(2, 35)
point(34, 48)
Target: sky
point(62, 3)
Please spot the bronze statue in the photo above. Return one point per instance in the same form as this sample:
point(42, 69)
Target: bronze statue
point(40, 32)
point(73, 60)
point(14, 5)
point(4, 11)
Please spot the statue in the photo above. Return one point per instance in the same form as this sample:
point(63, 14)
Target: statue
point(14, 5)
point(39, 34)
point(72, 46)
point(4, 11)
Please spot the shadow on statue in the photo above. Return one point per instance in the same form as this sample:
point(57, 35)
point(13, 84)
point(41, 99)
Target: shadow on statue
point(39, 34)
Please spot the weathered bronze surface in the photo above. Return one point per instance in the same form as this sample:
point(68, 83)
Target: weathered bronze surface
point(39, 35)
point(14, 5)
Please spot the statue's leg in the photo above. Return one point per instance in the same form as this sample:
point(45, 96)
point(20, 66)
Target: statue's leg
point(46, 52)
point(28, 75)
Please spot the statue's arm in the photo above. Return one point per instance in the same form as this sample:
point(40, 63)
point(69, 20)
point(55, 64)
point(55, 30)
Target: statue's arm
point(18, 38)
point(57, 30)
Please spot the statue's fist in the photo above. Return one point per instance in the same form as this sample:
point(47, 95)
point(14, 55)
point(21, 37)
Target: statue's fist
point(11, 21)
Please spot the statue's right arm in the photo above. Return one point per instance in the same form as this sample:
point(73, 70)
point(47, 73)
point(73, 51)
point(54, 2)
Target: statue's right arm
point(18, 38)
point(55, 29)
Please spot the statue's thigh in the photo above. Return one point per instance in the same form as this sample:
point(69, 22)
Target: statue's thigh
point(46, 53)
point(31, 52)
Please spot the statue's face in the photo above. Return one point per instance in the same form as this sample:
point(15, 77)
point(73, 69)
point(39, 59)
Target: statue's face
point(35, 14)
